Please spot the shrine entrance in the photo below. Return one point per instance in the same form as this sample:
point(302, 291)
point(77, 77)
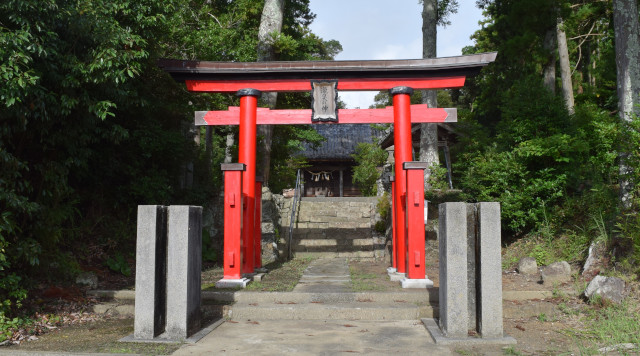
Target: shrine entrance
point(242, 189)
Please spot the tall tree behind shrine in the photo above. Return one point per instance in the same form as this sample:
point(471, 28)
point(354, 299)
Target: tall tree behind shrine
point(429, 131)
point(270, 26)
point(434, 13)
point(627, 40)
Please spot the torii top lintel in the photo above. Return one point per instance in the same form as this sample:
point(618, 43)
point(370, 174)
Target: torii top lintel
point(228, 77)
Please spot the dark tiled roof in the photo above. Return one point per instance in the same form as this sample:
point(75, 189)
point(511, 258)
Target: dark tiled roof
point(341, 142)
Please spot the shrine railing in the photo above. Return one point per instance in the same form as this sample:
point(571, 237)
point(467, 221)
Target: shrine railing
point(294, 205)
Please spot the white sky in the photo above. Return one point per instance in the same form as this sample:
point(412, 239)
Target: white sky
point(386, 29)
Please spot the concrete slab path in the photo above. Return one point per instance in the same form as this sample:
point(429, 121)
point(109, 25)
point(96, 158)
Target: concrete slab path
point(325, 275)
point(317, 337)
point(253, 335)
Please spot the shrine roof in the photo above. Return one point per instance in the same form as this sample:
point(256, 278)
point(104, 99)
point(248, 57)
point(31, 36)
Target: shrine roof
point(341, 141)
point(412, 68)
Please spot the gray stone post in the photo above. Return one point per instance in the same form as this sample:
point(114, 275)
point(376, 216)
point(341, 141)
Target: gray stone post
point(151, 256)
point(490, 264)
point(454, 315)
point(471, 264)
point(184, 265)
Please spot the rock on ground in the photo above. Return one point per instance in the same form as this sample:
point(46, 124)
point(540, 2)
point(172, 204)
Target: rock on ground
point(558, 272)
point(609, 288)
point(594, 262)
point(527, 265)
point(87, 279)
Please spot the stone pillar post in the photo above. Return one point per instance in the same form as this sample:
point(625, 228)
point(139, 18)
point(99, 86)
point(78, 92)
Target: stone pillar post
point(151, 256)
point(184, 265)
point(470, 276)
point(454, 315)
point(490, 265)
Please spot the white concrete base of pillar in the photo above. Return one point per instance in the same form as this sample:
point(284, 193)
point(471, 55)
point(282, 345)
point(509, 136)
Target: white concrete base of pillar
point(396, 276)
point(391, 270)
point(416, 283)
point(233, 283)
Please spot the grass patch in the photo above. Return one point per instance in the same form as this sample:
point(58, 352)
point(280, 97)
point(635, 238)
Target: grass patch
point(282, 276)
point(610, 326)
point(511, 351)
point(363, 282)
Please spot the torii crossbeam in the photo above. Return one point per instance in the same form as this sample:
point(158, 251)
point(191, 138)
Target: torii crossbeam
point(400, 77)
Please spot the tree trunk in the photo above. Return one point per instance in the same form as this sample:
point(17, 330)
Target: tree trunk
point(270, 23)
point(565, 68)
point(429, 132)
point(228, 158)
point(627, 41)
point(549, 71)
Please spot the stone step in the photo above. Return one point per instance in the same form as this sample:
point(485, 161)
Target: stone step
point(352, 254)
point(430, 296)
point(338, 311)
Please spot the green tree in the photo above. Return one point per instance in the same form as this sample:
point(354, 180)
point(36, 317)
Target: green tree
point(369, 161)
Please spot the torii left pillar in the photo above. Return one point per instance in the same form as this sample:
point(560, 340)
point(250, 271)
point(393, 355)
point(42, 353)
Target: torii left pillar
point(402, 153)
point(247, 155)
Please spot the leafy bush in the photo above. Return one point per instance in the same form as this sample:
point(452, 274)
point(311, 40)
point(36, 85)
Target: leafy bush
point(539, 157)
point(438, 178)
point(384, 210)
point(12, 293)
point(118, 263)
point(369, 160)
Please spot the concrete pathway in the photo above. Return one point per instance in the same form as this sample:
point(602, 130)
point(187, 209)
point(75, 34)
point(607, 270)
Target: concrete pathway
point(325, 275)
point(254, 335)
point(317, 337)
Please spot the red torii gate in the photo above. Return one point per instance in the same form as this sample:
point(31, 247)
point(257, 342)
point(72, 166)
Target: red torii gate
point(242, 245)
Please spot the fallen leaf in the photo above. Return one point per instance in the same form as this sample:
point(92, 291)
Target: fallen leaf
point(520, 327)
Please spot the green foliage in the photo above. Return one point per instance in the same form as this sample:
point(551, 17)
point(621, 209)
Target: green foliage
point(369, 160)
point(209, 254)
point(91, 127)
point(438, 178)
point(119, 264)
point(7, 326)
point(384, 206)
point(540, 157)
point(288, 142)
